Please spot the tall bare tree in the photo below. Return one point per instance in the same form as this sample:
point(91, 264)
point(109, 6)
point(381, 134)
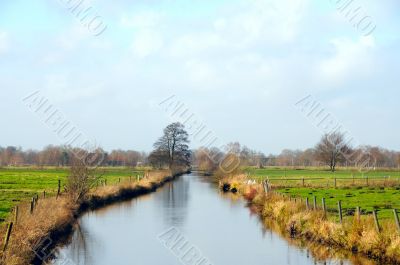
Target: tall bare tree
point(173, 147)
point(332, 149)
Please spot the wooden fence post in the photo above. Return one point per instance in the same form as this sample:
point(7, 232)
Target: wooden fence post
point(315, 202)
point(396, 219)
point(303, 181)
point(16, 214)
point(266, 186)
point(358, 213)
point(324, 206)
point(32, 205)
point(8, 235)
point(340, 211)
point(353, 179)
point(367, 181)
point(44, 194)
point(59, 188)
point(307, 204)
point(378, 228)
point(335, 182)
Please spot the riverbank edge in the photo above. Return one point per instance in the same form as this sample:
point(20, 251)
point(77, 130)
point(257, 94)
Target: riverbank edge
point(60, 234)
point(285, 218)
point(40, 248)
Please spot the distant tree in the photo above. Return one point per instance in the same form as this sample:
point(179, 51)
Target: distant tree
point(172, 148)
point(332, 149)
point(206, 159)
point(398, 160)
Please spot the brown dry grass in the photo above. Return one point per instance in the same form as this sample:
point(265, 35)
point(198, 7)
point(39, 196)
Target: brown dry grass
point(294, 219)
point(54, 218)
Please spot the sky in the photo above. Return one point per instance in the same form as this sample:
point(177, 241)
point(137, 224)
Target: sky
point(239, 67)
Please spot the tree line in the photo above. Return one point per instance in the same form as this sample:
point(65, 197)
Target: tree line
point(63, 156)
point(332, 151)
point(172, 150)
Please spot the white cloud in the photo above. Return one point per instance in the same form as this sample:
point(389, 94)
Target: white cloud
point(350, 58)
point(72, 38)
point(195, 44)
point(146, 19)
point(263, 20)
point(61, 88)
point(4, 42)
point(146, 29)
point(147, 42)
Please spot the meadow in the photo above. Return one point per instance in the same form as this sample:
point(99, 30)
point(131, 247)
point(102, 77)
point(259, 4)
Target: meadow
point(277, 172)
point(377, 193)
point(20, 183)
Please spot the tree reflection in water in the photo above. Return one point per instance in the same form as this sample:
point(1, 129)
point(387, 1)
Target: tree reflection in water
point(174, 202)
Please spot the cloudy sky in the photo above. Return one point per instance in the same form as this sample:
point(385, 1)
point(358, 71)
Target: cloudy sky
point(239, 66)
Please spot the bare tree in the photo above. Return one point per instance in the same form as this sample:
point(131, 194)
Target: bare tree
point(173, 146)
point(332, 149)
point(80, 180)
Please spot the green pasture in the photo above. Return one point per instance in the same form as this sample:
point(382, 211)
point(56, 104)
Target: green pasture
point(18, 184)
point(369, 190)
point(382, 199)
point(275, 172)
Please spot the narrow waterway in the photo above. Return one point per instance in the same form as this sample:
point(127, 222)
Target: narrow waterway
point(191, 208)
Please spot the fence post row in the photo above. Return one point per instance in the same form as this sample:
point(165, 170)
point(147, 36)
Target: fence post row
point(307, 204)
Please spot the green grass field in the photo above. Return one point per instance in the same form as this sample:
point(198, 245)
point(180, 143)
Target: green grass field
point(18, 184)
point(352, 194)
point(299, 173)
point(368, 198)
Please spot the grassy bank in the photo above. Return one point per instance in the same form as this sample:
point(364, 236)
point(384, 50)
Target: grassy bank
point(354, 234)
point(35, 235)
point(21, 183)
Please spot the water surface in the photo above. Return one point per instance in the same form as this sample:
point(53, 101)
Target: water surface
point(224, 230)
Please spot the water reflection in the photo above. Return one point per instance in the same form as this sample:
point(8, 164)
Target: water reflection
point(174, 200)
